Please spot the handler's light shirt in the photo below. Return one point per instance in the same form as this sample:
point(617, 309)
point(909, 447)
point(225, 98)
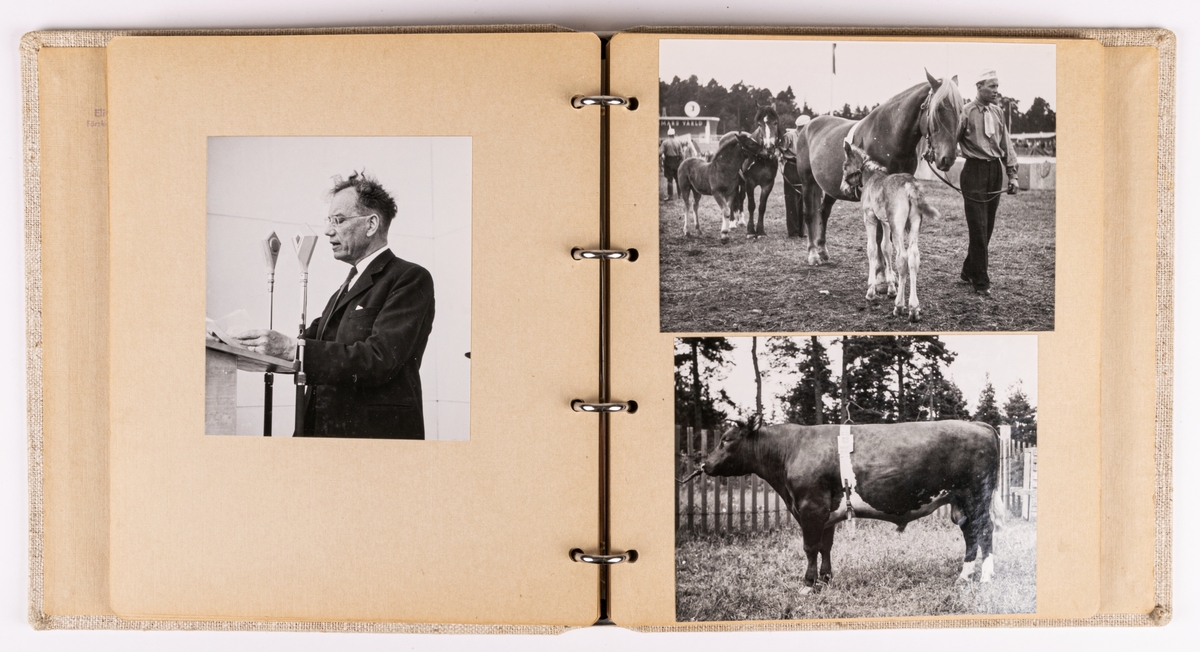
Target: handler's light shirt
point(671, 147)
point(982, 135)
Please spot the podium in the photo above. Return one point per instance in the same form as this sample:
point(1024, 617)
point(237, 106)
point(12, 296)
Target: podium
point(221, 364)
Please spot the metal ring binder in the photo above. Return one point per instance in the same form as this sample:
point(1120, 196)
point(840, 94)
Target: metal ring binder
point(628, 556)
point(607, 254)
point(580, 101)
point(618, 406)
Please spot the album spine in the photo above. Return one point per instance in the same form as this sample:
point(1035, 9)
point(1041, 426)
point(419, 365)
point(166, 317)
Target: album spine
point(604, 405)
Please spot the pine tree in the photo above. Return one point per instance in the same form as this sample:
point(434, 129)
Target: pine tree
point(987, 411)
point(698, 362)
point(933, 396)
point(805, 402)
point(1019, 414)
point(870, 394)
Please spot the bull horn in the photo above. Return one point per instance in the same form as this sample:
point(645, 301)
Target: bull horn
point(689, 478)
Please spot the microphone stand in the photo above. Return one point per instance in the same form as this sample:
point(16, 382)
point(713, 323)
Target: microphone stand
point(270, 248)
point(304, 251)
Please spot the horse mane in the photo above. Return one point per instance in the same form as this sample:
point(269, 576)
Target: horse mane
point(948, 90)
point(732, 142)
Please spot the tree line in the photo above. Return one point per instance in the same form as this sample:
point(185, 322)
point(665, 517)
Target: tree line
point(737, 105)
point(882, 379)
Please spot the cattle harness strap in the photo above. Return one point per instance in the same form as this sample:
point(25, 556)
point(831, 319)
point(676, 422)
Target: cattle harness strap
point(845, 447)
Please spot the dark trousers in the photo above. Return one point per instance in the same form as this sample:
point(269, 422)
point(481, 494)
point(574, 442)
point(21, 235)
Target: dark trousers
point(671, 171)
point(979, 178)
point(792, 200)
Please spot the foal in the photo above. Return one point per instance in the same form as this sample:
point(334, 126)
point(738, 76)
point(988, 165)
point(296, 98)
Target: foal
point(893, 207)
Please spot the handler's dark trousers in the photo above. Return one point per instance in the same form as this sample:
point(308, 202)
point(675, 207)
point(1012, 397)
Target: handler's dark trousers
point(671, 171)
point(791, 199)
point(979, 179)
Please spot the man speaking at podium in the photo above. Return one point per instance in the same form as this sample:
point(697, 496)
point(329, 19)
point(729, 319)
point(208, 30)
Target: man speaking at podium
point(362, 356)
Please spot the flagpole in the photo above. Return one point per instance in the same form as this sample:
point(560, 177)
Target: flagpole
point(832, 76)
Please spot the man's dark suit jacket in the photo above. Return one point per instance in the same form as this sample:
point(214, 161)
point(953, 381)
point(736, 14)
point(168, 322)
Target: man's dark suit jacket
point(364, 374)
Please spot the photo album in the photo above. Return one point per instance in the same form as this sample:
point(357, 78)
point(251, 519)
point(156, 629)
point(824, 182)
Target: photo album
point(672, 329)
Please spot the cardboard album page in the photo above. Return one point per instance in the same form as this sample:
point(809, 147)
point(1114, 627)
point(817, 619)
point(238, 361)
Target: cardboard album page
point(721, 320)
point(442, 476)
point(74, 337)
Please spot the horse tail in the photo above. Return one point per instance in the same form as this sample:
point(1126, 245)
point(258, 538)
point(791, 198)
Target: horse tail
point(917, 200)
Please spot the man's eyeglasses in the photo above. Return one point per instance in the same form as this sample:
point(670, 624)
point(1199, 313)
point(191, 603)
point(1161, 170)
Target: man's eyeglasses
point(337, 220)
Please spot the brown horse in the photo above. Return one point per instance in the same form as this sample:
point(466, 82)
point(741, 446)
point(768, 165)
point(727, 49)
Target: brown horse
point(718, 178)
point(890, 135)
point(760, 173)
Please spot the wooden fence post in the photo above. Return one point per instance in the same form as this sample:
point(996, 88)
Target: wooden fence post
point(1005, 444)
point(1033, 465)
point(729, 504)
point(767, 491)
point(678, 451)
point(704, 485)
point(1029, 477)
point(753, 503)
point(742, 503)
point(691, 486)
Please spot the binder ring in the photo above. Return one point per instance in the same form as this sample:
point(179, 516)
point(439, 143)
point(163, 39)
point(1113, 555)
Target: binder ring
point(617, 406)
point(604, 254)
point(628, 556)
point(580, 101)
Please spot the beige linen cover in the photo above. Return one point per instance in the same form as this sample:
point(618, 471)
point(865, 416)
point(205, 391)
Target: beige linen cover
point(524, 488)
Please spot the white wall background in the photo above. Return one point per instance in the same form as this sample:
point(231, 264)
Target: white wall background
point(260, 185)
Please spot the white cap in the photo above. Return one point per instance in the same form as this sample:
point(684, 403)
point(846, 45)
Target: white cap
point(670, 131)
point(986, 75)
point(802, 120)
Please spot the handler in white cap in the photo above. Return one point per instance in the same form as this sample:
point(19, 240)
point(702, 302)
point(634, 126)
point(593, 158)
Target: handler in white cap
point(983, 138)
point(670, 153)
point(791, 179)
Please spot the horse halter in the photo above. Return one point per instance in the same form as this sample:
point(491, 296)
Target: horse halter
point(927, 129)
point(926, 124)
point(773, 151)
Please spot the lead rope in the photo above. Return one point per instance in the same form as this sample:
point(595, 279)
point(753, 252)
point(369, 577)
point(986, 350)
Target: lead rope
point(933, 168)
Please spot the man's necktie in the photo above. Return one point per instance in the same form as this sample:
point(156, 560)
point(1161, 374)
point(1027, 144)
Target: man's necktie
point(333, 305)
point(989, 123)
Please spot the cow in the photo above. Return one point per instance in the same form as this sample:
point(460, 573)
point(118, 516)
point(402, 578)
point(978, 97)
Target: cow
point(898, 473)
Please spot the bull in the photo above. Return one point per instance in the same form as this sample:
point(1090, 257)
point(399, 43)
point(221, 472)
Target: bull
point(897, 473)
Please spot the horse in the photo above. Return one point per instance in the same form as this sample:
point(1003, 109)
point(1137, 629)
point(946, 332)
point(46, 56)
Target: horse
point(760, 173)
point(893, 207)
point(890, 134)
point(718, 178)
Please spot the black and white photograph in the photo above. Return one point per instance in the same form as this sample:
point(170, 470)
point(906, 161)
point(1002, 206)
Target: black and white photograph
point(855, 476)
point(856, 186)
point(339, 287)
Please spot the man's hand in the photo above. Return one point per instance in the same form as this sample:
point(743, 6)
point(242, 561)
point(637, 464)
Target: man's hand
point(1012, 186)
point(272, 343)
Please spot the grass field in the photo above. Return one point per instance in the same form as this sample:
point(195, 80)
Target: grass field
point(766, 284)
point(877, 573)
